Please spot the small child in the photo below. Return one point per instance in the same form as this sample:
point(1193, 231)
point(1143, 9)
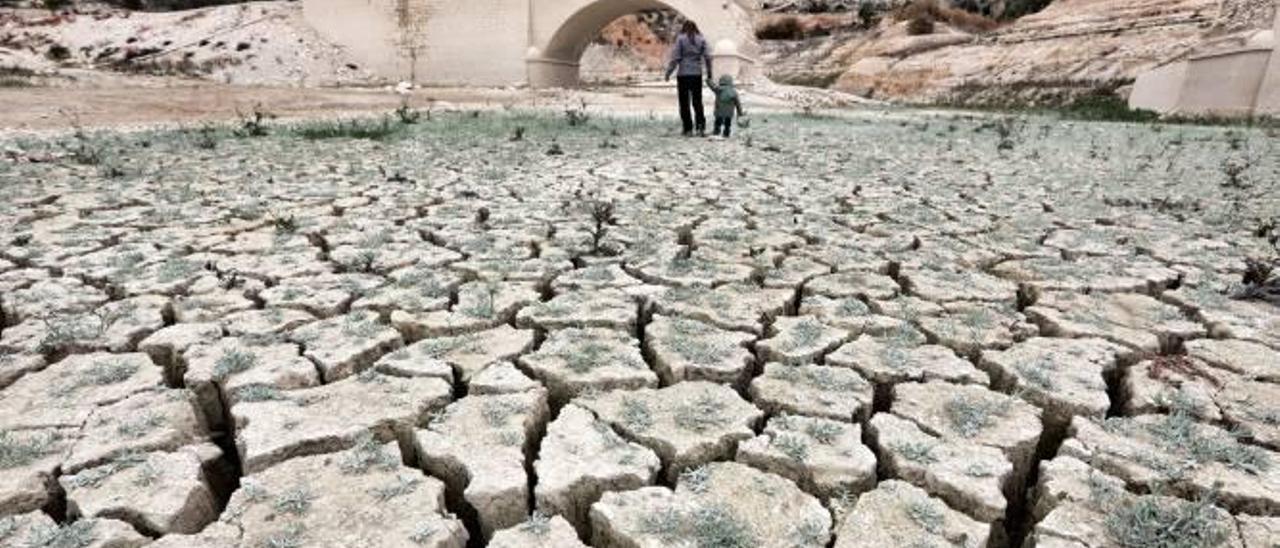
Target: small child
point(727, 104)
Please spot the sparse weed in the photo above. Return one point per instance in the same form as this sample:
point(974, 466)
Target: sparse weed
point(1151, 522)
point(423, 533)
point(714, 526)
point(401, 487)
point(367, 454)
point(137, 428)
point(233, 361)
point(927, 514)
point(295, 500)
point(636, 415)
point(918, 452)
point(77, 534)
point(970, 415)
point(791, 445)
point(16, 450)
point(698, 479)
point(538, 524)
point(824, 432)
point(704, 413)
point(258, 393)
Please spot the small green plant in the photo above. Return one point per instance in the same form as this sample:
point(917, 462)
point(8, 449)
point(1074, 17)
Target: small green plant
point(423, 532)
point(407, 116)
point(258, 393)
point(20, 450)
point(380, 130)
point(401, 487)
point(296, 501)
point(698, 479)
point(636, 415)
point(791, 445)
point(233, 361)
point(367, 454)
point(824, 432)
point(714, 526)
point(254, 124)
point(915, 451)
point(77, 534)
point(971, 415)
point(1156, 522)
point(538, 524)
point(927, 514)
point(139, 427)
point(704, 413)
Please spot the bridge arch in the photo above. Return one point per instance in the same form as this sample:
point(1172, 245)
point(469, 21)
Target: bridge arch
point(561, 30)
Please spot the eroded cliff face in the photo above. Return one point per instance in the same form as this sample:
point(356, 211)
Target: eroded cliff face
point(1071, 48)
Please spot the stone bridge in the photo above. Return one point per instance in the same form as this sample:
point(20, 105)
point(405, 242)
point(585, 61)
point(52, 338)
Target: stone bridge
point(505, 42)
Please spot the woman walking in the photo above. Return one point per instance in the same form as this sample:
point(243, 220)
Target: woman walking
point(687, 59)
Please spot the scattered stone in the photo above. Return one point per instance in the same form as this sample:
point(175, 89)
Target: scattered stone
point(945, 285)
point(481, 305)
point(734, 306)
point(1138, 322)
point(37, 530)
point(1245, 358)
point(971, 328)
point(29, 463)
point(265, 323)
point(14, 366)
point(472, 353)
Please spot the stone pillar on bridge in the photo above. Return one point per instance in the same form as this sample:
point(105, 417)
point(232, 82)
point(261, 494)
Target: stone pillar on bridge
point(1269, 92)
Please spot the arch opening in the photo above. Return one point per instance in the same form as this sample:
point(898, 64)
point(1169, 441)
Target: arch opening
point(555, 56)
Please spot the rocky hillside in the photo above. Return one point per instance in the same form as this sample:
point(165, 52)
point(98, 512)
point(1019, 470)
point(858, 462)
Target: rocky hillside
point(1070, 48)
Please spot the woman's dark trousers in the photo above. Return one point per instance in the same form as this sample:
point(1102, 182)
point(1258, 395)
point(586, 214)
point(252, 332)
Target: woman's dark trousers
point(690, 90)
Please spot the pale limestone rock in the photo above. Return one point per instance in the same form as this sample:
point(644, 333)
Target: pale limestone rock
point(478, 447)
point(684, 349)
point(594, 278)
point(690, 272)
point(278, 426)
point(814, 390)
point(971, 328)
point(897, 513)
point(851, 315)
point(687, 424)
point(582, 458)
point(323, 296)
point(825, 458)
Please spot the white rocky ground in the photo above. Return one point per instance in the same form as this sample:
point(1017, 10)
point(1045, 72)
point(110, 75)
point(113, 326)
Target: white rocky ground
point(603, 335)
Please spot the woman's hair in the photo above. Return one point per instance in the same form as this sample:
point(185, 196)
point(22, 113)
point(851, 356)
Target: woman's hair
point(690, 28)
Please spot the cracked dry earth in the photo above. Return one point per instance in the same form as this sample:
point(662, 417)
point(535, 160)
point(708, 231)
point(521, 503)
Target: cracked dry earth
point(884, 330)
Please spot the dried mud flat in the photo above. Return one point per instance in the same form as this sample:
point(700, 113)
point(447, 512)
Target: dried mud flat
point(885, 329)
